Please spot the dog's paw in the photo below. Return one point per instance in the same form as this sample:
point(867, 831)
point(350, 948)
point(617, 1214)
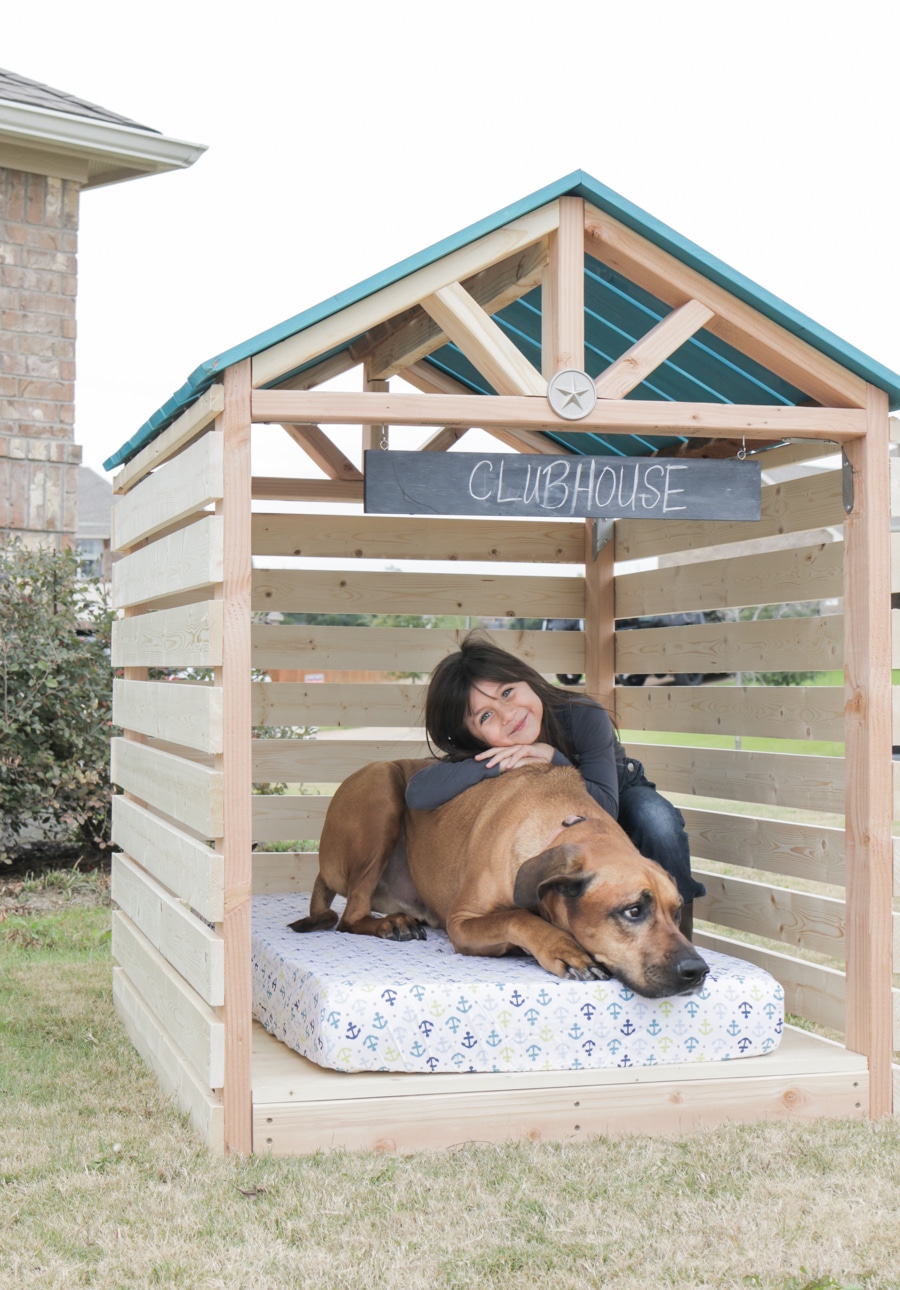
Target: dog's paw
point(400, 927)
point(587, 972)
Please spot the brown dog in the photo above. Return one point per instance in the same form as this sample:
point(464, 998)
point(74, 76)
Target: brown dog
point(525, 861)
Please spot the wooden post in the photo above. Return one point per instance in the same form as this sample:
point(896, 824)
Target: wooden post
point(235, 761)
point(867, 713)
point(372, 436)
point(562, 337)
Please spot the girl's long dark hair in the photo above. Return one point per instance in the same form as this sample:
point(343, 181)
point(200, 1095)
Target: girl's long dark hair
point(479, 659)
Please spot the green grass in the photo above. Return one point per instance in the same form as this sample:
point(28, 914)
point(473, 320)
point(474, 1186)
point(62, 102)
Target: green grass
point(102, 1183)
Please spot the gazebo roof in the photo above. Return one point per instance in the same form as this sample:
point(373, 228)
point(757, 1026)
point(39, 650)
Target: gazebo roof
point(706, 368)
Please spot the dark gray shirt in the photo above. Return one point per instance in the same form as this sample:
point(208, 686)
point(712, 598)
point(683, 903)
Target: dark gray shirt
point(593, 740)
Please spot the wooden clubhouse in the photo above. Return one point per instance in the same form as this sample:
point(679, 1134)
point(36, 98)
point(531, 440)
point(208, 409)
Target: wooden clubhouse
point(689, 360)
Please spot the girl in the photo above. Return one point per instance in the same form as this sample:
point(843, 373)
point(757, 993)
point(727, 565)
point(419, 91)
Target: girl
point(489, 712)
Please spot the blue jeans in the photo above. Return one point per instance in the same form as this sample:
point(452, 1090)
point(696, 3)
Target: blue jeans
point(656, 827)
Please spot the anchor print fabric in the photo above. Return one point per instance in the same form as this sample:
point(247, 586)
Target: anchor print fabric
point(354, 1003)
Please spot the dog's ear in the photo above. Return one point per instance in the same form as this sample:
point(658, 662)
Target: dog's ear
point(560, 868)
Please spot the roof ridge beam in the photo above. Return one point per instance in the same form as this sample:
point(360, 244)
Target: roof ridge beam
point(737, 323)
point(652, 350)
point(483, 341)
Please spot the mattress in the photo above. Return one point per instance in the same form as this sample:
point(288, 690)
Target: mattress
point(355, 1003)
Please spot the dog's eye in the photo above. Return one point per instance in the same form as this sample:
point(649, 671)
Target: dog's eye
point(633, 913)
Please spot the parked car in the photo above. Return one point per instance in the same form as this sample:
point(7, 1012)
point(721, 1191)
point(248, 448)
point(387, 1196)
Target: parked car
point(627, 624)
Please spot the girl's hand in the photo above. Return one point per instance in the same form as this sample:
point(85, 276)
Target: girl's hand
point(513, 755)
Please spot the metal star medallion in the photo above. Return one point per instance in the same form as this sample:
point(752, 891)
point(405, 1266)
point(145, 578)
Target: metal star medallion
point(571, 394)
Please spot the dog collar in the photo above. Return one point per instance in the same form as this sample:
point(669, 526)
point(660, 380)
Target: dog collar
point(567, 823)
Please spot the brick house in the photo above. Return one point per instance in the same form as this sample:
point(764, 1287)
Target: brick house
point(52, 147)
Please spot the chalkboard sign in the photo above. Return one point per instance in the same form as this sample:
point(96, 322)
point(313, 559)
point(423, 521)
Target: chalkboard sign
point(492, 484)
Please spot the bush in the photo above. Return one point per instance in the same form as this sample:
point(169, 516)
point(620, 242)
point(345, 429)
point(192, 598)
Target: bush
point(55, 701)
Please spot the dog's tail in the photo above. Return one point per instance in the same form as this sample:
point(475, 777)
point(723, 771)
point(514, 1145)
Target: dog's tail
point(321, 916)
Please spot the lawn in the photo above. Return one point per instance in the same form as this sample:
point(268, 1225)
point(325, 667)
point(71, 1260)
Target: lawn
point(102, 1183)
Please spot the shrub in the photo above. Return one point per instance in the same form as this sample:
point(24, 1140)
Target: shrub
point(55, 701)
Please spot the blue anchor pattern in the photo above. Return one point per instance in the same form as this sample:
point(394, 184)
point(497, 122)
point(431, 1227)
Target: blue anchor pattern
point(354, 1003)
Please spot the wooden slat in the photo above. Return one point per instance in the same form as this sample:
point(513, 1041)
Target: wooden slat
point(280, 871)
point(272, 488)
point(895, 555)
point(177, 712)
point(296, 703)
point(409, 649)
point(180, 1011)
point(792, 507)
point(735, 322)
point(323, 451)
point(772, 712)
point(813, 852)
point(380, 537)
point(392, 300)
point(318, 761)
point(395, 345)
point(774, 779)
point(444, 439)
point(174, 439)
point(629, 416)
point(175, 1073)
point(895, 485)
point(186, 792)
point(339, 591)
point(184, 561)
point(189, 636)
point(768, 645)
point(599, 617)
point(774, 577)
point(811, 990)
point(867, 683)
point(483, 341)
point(777, 913)
point(186, 943)
point(646, 354)
point(170, 495)
point(281, 819)
point(183, 864)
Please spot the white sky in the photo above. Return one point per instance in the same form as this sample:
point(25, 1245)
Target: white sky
point(343, 138)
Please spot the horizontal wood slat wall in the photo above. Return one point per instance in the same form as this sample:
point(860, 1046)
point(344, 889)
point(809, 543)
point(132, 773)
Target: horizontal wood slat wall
point(178, 712)
point(774, 645)
point(188, 636)
point(772, 712)
point(183, 561)
point(180, 862)
point(188, 793)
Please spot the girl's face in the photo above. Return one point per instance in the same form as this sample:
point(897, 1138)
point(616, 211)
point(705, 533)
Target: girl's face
point(503, 713)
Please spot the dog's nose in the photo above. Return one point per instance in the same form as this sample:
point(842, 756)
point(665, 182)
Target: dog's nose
point(692, 970)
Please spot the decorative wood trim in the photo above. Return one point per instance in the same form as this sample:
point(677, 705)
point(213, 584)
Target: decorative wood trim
point(735, 322)
point(320, 449)
point(648, 353)
point(187, 636)
point(392, 300)
point(235, 838)
point(170, 496)
point(177, 436)
point(629, 416)
point(867, 665)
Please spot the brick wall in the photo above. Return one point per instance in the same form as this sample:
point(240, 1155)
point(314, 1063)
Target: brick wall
point(38, 455)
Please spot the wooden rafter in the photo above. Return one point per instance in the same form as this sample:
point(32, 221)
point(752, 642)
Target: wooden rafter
point(392, 346)
point(326, 454)
point(318, 374)
point(483, 342)
point(646, 354)
point(340, 328)
point(444, 439)
point(737, 323)
point(432, 381)
point(628, 416)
